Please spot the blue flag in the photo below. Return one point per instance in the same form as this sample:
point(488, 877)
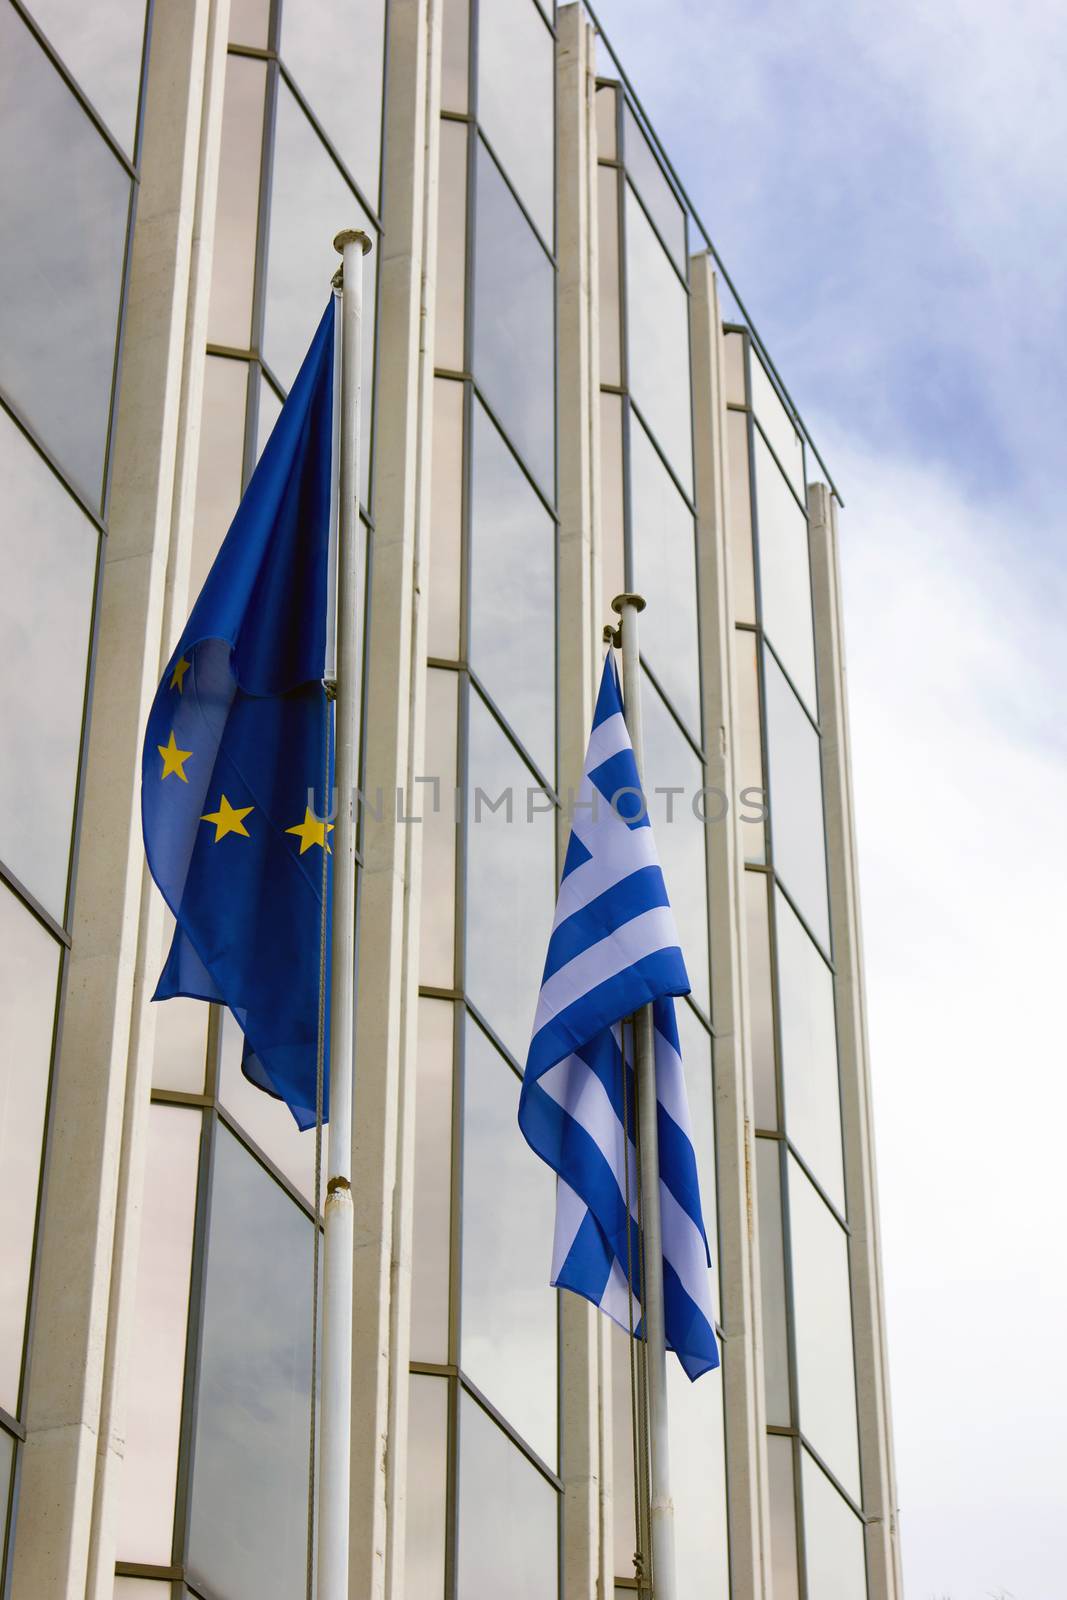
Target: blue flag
point(238, 740)
point(613, 949)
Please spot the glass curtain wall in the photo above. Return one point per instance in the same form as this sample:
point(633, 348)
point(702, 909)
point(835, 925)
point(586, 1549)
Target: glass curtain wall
point(217, 1463)
point(70, 96)
point(483, 1502)
point(649, 541)
point(809, 1372)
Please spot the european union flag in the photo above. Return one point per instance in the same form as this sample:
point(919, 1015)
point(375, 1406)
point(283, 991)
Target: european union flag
point(238, 735)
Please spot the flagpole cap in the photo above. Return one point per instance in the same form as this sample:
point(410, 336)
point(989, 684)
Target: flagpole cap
point(621, 601)
point(353, 236)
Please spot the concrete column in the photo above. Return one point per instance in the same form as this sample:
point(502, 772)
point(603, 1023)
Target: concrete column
point(585, 1396)
point(74, 1429)
point(742, 1374)
point(868, 1312)
point(387, 981)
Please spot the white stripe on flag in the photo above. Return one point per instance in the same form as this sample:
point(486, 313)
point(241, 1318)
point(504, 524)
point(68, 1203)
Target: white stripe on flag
point(642, 936)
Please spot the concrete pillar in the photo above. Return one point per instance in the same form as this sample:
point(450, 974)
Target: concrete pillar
point(868, 1315)
point(387, 983)
point(742, 1374)
point(87, 1247)
point(585, 1396)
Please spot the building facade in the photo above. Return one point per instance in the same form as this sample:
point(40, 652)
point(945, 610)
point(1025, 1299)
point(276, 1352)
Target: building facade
point(564, 399)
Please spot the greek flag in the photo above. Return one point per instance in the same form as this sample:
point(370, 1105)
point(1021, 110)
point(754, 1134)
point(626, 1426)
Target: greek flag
point(613, 949)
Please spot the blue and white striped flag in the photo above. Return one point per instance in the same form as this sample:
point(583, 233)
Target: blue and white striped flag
point(614, 947)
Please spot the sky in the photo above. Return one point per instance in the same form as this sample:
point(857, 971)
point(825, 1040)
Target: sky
point(888, 190)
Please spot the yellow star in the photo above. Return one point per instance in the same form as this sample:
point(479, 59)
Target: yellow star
point(173, 759)
point(177, 677)
point(228, 819)
point(311, 831)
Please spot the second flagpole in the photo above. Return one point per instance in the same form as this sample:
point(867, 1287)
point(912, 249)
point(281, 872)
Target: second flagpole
point(335, 1452)
point(664, 1587)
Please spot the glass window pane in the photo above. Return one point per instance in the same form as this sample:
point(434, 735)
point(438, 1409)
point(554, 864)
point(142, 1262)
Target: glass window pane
point(48, 552)
point(833, 1539)
point(437, 925)
point(426, 1505)
point(511, 881)
point(785, 577)
point(270, 409)
point(28, 977)
point(733, 345)
point(101, 46)
point(7, 1469)
point(143, 1589)
point(179, 1055)
point(58, 308)
point(774, 419)
point(249, 22)
point(796, 801)
point(268, 1122)
point(679, 829)
point(748, 751)
point(612, 535)
point(455, 49)
point(760, 1009)
point(622, 1452)
point(508, 1309)
point(608, 273)
point(657, 332)
point(739, 511)
point(446, 512)
point(219, 469)
point(654, 189)
point(514, 324)
point(516, 72)
point(508, 1516)
point(432, 1229)
point(606, 146)
point(451, 284)
point(233, 265)
point(248, 1522)
point(310, 203)
point(513, 593)
point(809, 1051)
point(336, 52)
point(156, 1360)
point(665, 573)
point(826, 1383)
point(772, 1282)
point(783, 1518)
point(698, 1484)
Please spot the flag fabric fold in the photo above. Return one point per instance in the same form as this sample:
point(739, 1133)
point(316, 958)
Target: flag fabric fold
point(237, 749)
point(613, 949)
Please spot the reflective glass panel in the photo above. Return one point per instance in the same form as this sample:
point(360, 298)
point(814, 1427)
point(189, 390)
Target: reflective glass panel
point(513, 593)
point(509, 1311)
point(833, 1539)
point(774, 419)
point(739, 514)
point(511, 881)
point(249, 22)
point(425, 1516)
point(248, 1522)
point(606, 143)
point(7, 1467)
point(432, 1229)
point(809, 1051)
point(655, 191)
point(455, 50)
point(101, 46)
point(612, 534)
point(784, 573)
point(733, 345)
point(267, 1122)
point(514, 326)
point(233, 264)
point(772, 1282)
point(748, 752)
point(695, 1042)
point(679, 829)
point(760, 1008)
point(59, 308)
point(336, 52)
point(219, 468)
point(48, 551)
point(608, 272)
point(310, 202)
point(783, 1518)
point(622, 1453)
point(270, 409)
point(28, 978)
point(437, 926)
point(156, 1361)
point(508, 1516)
point(179, 1055)
point(143, 1589)
point(665, 573)
point(698, 1484)
point(516, 72)
point(446, 518)
point(657, 349)
point(796, 800)
point(451, 287)
point(826, 1382)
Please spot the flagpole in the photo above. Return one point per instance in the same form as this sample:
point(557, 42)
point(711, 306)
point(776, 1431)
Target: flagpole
point(628, 606)
point(335, 1455)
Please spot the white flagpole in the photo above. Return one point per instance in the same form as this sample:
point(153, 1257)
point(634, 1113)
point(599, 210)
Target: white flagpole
point(334, 1466)
point(662, 1506)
